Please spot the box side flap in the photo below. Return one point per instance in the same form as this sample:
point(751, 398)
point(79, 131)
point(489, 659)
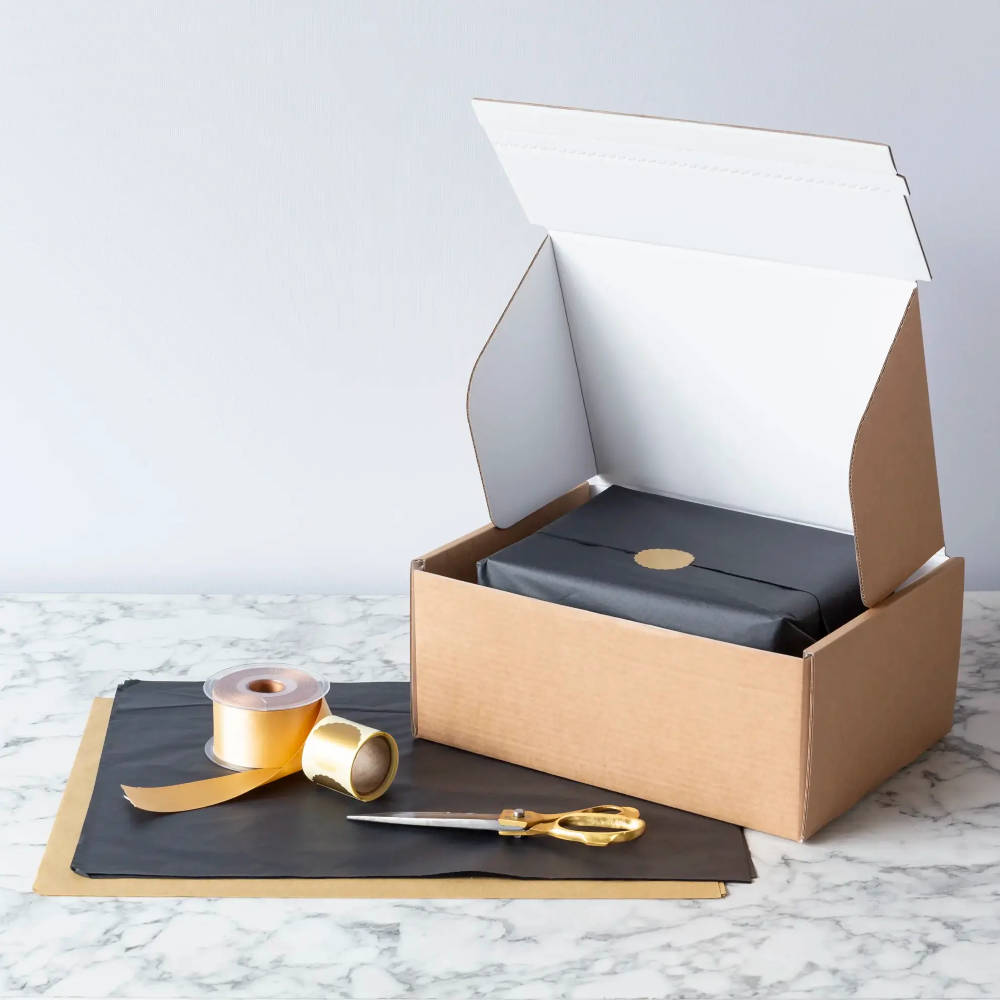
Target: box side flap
point(893, 482)
point(799, 199)
point(882, 690)
point(524, 403)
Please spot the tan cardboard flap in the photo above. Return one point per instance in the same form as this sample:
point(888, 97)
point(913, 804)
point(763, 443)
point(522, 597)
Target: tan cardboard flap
point(894, 485)
point(881, 690)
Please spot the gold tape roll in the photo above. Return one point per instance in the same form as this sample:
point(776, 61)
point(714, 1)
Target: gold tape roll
point(350, 758)
point(270, 721)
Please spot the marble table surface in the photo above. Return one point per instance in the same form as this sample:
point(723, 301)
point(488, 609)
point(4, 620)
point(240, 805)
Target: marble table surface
point(899, 898)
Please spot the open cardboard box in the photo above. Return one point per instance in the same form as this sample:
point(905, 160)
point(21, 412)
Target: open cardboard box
point(724, 315)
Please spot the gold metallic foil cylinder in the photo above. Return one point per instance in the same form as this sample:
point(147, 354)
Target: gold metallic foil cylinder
point(350, 758)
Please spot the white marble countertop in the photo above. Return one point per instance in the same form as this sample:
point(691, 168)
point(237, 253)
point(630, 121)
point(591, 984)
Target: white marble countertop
point(899, 898)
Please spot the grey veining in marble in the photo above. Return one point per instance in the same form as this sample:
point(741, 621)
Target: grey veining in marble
point(899, 898)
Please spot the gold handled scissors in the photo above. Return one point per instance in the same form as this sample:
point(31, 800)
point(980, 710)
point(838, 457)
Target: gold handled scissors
point(596, 826)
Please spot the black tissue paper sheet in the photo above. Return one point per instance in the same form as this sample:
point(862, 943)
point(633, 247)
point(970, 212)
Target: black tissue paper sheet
point(755, 581)
point(295, 829)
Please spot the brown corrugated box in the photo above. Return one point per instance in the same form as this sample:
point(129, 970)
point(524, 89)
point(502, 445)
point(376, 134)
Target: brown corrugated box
point(773, 742)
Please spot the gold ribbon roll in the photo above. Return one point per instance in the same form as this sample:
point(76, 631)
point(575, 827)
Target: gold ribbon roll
point(270, 721)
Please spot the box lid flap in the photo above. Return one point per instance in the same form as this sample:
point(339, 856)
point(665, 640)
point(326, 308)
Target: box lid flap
point(701, 357)
point(799, 199)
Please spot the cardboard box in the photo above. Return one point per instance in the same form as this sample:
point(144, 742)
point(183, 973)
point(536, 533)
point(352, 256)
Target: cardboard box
point(724, 315)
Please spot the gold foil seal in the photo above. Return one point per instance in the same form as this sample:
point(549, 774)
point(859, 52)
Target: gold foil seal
point(664, 558)
point(270, 721)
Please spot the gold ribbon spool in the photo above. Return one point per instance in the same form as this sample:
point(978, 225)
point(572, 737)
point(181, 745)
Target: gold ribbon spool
point(270, 721)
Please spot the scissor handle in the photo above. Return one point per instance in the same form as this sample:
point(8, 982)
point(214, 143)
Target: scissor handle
point(595, 826)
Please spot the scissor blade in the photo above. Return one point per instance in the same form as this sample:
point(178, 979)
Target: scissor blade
point(462, 821)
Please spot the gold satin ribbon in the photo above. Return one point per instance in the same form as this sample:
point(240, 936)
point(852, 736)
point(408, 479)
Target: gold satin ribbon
point(343, 755)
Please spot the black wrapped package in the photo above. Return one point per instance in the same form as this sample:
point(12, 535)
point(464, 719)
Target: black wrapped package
point(754, 581)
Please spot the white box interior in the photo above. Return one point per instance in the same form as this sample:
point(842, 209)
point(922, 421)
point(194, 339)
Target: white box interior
point(708, 319)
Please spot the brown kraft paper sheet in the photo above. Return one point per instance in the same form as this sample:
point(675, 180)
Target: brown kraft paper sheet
point(55, 878)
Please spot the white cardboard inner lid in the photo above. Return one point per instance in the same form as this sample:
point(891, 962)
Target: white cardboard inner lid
point(723, 350)
point(801, 199)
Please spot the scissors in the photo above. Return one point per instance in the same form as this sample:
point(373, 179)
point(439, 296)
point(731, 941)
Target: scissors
point(595, 826)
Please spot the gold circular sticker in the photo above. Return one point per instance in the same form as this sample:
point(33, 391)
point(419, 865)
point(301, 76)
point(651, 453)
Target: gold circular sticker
point(664, 558)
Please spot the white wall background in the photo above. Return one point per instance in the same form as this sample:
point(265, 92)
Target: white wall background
point(249, 252)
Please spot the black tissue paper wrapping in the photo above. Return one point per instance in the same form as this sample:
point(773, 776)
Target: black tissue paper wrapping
point(755, 581)
point(295, 829)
